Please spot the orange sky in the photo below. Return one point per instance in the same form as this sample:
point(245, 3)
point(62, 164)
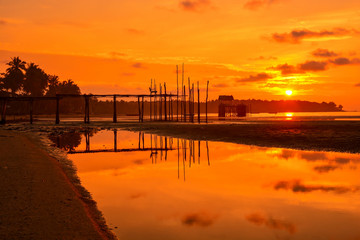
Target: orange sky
point(248, 48)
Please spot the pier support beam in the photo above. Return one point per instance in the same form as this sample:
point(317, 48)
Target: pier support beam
point(31, 103)
point(3, 112)
point(57, 121)
point(115, 116)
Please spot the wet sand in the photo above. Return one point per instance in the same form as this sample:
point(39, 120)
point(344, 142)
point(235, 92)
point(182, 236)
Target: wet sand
point(38, 200)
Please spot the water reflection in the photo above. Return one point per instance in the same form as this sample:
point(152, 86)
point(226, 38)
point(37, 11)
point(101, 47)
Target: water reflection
point(187, 150)
point(248, 192)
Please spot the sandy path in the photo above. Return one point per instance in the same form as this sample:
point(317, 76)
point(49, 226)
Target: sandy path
point(37, 201)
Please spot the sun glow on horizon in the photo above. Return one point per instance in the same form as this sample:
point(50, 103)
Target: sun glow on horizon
point(289, 92)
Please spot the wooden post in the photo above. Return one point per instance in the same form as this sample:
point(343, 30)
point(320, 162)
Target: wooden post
point(31, 110)
point(206, 104)
point(142, 109)
point(177, 93)
point(115, 116)
point(160, 107)
point(189, 87)
point(87, 109)
point(150, 100)
point(57, 120)
point(183, 112)
point(192, 103)
point(184, 107)
point(139, 109)
point(3, 112)
point(198, 101)
point(165, 112)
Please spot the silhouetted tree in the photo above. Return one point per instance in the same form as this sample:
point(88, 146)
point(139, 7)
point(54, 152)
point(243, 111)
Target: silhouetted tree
point(36, 80)
point(14, 75)
point(68, 105)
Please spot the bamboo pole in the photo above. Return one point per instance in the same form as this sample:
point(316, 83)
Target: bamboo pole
point(150, 101)
point(165, 112)
point(184, 101)
point(177, 93)
point(207, 95)
point(160, 108)
point(183, 111)
point(198, 89)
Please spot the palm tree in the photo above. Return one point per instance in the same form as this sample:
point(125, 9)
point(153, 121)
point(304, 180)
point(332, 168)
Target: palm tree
point(14, 75)
point(36, 80)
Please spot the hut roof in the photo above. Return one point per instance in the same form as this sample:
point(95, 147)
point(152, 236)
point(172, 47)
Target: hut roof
point(226, 98)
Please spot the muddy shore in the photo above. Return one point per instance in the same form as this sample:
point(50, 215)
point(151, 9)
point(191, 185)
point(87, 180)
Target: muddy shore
point(41, 197)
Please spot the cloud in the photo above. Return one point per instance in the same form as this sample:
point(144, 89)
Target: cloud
point(254, 5)
point(298, 187)
point(345, 61)
point(325, 168)
point(357, 85)
point(3, 22)
point(194, 5)
point(200, 219)
point(138, 65)
point(296, 36)
point(126, 74)
point(257, 78)
point(324, 53)
point(271, 222)
point(313, 66)
point(137, 195)
point(263, 58)
point(339, 160)
point(287, 69)
point(221, 85)
point(116, 54)
point(313, 156)
point(134, 31)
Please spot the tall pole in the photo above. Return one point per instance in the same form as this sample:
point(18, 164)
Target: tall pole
point(165, 112)
point(206, 104)
point(198, 101)
point(150, 100)
point(190, 111)
point(184, 101)
point(160, 110)
point(177, 93)
point(115, 116)
point(183, 111)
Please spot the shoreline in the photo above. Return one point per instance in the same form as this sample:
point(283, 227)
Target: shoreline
point(337, 136)
point(42, 197)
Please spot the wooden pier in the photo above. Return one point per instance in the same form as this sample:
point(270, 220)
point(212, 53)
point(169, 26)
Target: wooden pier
point(161, 103)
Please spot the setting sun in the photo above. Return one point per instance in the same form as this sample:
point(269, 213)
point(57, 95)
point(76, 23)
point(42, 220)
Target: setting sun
point(289, 92)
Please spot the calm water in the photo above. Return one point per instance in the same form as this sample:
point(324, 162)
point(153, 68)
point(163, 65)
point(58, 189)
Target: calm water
point(213, 117)
point(151, 187)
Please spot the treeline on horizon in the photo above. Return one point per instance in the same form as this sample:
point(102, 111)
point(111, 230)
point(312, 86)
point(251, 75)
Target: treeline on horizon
point(28, 79)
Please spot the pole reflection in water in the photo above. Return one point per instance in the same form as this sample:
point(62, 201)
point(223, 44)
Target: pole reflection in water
point(248, 192)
